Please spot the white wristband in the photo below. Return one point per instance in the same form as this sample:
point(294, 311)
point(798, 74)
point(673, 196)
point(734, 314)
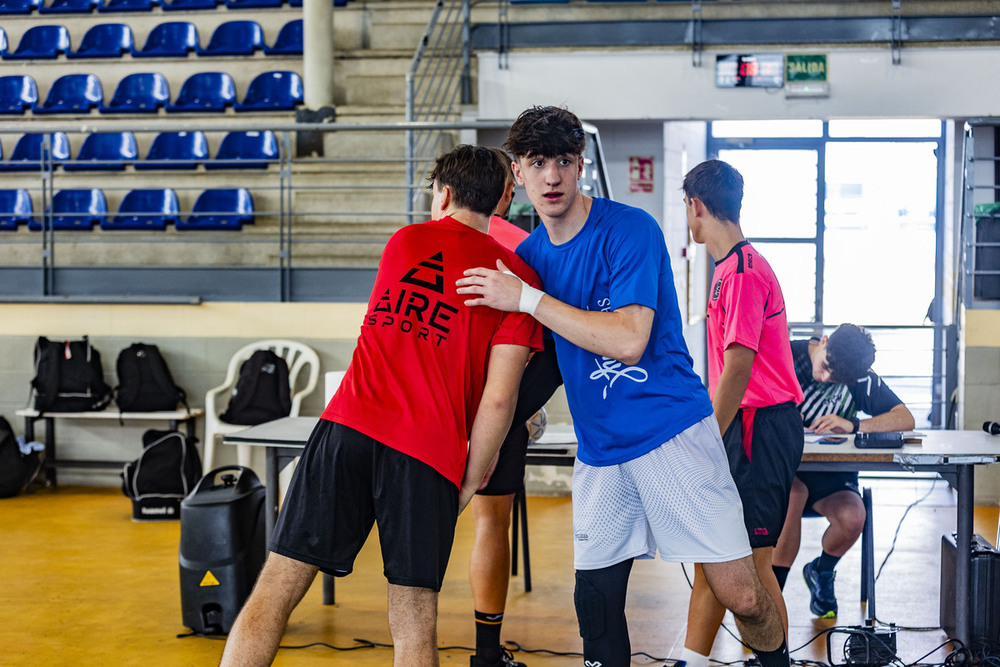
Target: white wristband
point(529, 298)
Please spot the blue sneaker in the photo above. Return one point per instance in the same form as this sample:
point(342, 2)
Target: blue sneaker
point(822, 599)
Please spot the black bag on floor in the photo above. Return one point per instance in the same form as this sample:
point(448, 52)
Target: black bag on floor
point(262, 392)
point(17, 469)
point(144, 381)
point(69, 377)
point(165, 472)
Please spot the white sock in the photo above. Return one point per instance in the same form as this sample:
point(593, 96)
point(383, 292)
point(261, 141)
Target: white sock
point(693, 658)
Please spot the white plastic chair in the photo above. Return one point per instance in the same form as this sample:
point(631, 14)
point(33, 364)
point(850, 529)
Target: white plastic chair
point(301, 359)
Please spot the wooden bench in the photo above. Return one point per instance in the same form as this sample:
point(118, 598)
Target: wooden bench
point(173, 418)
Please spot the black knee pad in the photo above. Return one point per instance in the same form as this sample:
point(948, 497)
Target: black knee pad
point(590, 606)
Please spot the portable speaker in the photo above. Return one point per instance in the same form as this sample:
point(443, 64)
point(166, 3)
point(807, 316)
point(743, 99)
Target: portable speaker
point(984, 611)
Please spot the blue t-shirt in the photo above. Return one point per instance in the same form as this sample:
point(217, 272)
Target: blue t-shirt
point(620, 258)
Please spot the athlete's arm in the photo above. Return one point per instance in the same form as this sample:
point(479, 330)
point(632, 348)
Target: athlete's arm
point(493, 418)
point(620, 334)
point(737, 362)
point(899, 418)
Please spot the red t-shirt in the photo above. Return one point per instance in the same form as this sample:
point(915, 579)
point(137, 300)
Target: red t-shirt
point(419, 368)
point(506, 233)
point(746, 307)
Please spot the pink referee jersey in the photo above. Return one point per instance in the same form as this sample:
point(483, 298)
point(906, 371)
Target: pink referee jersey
point(746, 307)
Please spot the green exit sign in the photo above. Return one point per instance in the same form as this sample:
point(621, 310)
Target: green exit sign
point(805, 67)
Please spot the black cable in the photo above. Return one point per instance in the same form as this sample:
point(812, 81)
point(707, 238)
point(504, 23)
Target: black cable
point(362, 643)
point(900, 525)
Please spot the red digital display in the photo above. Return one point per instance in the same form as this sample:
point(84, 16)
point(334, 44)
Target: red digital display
point(763, 70)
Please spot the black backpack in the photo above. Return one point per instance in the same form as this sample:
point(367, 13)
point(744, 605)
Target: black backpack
point(262, 392)
point(165, 472)
point(69, 377)
point(17, 469)
point(144, 381)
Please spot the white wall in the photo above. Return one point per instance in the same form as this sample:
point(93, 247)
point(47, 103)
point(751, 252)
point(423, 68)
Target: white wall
point(634, 84)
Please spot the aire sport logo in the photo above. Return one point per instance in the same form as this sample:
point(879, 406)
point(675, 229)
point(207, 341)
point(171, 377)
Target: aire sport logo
point(414, 305)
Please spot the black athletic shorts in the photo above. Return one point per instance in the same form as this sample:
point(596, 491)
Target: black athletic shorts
point(347, 481)
point(540, 380)
point(823, 484)
point(764, 446)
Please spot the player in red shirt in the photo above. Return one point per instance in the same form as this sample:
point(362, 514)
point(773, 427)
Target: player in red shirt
point(752, 382)
point(408, 437)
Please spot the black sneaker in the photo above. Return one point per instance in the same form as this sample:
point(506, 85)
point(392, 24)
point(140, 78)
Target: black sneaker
point(506, 659)
point(822, 599)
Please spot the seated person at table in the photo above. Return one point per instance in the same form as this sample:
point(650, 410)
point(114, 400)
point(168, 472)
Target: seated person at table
point(408, 437)
point(838, 383)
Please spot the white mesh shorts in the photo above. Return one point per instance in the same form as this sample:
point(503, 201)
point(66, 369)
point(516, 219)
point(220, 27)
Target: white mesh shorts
point(679, 498)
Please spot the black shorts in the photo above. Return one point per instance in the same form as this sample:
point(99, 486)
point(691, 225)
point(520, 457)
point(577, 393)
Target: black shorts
point(540, 380)
point(346, 482)
point(764, 470)
point(823, 484)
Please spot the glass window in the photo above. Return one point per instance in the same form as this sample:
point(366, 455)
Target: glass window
point(749, 129)
point(779, 192)
point(795, 266)
point(892, 127)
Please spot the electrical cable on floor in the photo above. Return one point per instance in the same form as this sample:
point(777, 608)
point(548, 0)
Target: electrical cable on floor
point(900, 525)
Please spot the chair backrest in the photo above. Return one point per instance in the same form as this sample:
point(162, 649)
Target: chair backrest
point(220, 208)
point(67, 7)
point(302, 360)
point(41, 42)
point(273, 91)
point(235, 38)
point(27, 153)
point(15, 208)
point(78, 208)
point(172, 39)
point(105, 151)
point(18, 6)
point(127, 5)
point(73, 93)
point(206, 91)
point(184, 5)
point(184, 150)
point(17, 93)
point(146, 209)
point(288, 41)
point(252, 4)
point(143, 92)
point(245, 150)
point(105, 40)
point(3, 41)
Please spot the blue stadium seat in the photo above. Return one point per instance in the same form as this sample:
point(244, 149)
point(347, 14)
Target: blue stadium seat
point(27, 154)
point(76, 209)
point(105, 151)
point(15, 209)
point(336, 3)
point(3, 42)
point(127, 5)
point(144, 92)
point(184, 5)
point(184, 150)
point(205, 91)
point(245, 150)
point(273, 91)
point(145, 209)
point(18, 93)
point(252, 4)
point(73, 93)
point(222, 208)
point(68, 7)
point(105, 40)
point(41, 42)
point(288, 41)
point(18, 6)
point(235, 38)
point(173, 39)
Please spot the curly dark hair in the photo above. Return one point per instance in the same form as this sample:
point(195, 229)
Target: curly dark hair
point(475, 175)
point(546, 132)
point(850, 353)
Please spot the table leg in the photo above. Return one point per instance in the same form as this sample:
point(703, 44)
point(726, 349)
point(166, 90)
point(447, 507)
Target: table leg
point(50, 451)
point(270, 491)
point(963, 555)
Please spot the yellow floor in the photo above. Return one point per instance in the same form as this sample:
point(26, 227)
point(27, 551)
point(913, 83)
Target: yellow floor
point(81, 584)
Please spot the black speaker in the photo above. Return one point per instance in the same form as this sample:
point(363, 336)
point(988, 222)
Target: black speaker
point(984, 610)
point(222, 547)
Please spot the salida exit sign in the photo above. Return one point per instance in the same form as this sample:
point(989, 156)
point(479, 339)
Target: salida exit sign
point(805, 67)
